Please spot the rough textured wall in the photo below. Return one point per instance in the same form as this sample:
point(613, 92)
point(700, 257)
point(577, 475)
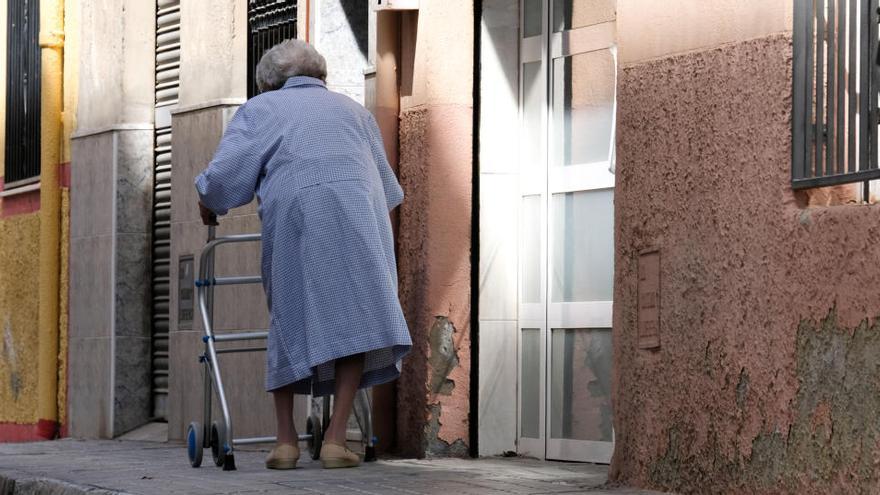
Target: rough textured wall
point(64, 312)
point(767, 375)
point(72, 41)
point(19, 240)
point(117, 57)
point(213, 42)
point(341, 37)
point(434, 264)
point(434, 240)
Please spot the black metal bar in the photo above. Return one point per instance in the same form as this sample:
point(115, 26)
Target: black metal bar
point(840, 135)
point(809, 126)
point(830, 138)
point(798, 122)
point(864, 86)
point(251, 63)
point(22, 150)
point(834, 180)
point(34, 93)
point(851, 77)
point(872, 88)
point(269, 23)
point(11, 77)
point(233, 350)
point(820, 87)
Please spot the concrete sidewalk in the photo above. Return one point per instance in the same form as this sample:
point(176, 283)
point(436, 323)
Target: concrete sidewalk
point(73, 467)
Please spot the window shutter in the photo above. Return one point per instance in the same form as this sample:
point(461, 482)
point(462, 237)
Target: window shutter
point(167, 89)
point(22, 91)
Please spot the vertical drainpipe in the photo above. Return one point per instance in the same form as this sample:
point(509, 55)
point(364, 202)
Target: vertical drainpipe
point(51, 85)
point(473, 413)
point(387, 81)
point(388, 118)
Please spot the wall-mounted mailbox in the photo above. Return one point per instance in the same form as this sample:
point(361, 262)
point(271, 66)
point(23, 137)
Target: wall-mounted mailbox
point(395, 4)
point(649, 299)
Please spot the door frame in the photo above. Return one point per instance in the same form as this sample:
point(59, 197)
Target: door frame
point(545, 181)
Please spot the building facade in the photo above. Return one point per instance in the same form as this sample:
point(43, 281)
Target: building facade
point(40, 73)
point(763, 371)
point(626, 239)
point(154, 108)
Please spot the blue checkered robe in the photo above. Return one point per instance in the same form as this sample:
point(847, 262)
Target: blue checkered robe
point(316, 163)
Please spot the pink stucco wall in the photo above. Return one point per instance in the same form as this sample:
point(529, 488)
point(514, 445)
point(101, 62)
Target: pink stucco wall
point(767, 379)
point(434, 237)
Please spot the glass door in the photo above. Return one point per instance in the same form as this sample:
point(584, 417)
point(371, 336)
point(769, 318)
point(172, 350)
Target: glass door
point(533, 228)
point(568, 207)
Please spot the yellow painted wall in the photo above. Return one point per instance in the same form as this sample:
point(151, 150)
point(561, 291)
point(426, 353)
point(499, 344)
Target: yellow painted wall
point(19, 259)
point(19, 286)
point(63, 299)
point(19, 267)
point(71, 93)
point(3, 8)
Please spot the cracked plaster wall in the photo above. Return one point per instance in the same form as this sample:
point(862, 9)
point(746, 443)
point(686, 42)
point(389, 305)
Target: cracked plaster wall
point(434, 238)
point(767, 375)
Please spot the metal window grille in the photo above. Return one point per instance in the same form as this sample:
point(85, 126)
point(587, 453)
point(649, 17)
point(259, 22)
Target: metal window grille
point(22, 91)
point(269, 23)
point(834, 121)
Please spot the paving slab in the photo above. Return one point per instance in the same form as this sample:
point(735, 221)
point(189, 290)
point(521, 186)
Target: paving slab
point(106, 467)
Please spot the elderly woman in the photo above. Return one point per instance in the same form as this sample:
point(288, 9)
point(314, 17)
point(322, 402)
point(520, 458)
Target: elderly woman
point(316, 163)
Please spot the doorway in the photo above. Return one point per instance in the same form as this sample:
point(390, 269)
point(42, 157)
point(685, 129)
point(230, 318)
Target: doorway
point(568, 70)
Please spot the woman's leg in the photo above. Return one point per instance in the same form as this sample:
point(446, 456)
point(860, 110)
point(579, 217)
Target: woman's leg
point(348, 377)
point(284, 415)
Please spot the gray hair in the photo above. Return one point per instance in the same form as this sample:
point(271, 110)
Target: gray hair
point(287, 59)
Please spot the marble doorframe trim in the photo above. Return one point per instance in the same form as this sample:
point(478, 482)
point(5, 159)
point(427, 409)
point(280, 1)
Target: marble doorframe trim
point(222, 102)
point(111, 416)
point(124, 300)
point(145, 126)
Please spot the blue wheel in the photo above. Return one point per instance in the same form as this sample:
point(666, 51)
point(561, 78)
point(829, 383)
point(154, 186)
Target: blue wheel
point(195, 442)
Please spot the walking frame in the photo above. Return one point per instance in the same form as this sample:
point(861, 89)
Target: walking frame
point(218, 436)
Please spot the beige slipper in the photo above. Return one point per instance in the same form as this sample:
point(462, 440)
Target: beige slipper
point(335, 456)
point(283, 456)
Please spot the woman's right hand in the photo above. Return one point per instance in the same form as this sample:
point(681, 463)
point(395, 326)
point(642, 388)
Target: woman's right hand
point(208, 217)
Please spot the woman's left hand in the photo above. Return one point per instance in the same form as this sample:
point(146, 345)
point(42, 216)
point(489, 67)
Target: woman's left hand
point(208, 217)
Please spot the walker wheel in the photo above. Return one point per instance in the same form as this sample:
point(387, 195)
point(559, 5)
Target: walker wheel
point(195, 442)
point(218, 443)
point(316, 436)
point(370, 454)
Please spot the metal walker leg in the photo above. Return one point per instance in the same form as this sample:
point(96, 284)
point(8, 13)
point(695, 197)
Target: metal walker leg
point(219, 436)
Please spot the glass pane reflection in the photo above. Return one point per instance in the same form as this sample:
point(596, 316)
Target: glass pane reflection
point(532, 17)
point(573, 14)
point(582, 257)
point(580, 399)
point(530, 384)
point(531, 249)
point(583, 108)
point(532, 113)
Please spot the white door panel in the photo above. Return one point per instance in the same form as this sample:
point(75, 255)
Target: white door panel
point(567, 119)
